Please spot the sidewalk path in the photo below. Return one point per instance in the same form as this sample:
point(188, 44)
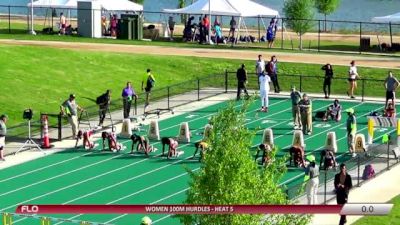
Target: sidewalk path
point(381, 189)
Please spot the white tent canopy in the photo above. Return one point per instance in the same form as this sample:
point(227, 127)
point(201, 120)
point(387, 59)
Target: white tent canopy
point(394, 18)
point(248, 8)
point(243, 8)
point(217, 7)
point(54, 4)
point(113, 5)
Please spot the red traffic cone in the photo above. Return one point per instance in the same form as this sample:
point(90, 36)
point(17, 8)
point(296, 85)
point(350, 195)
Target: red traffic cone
point(46, 138)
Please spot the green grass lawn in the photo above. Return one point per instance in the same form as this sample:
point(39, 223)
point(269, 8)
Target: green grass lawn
point(42, 78)
point(18, 32)
point(392, 219)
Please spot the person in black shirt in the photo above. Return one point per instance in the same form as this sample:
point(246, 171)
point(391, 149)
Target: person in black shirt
point(327, 80)
point(342, 184)
point(103, 101)
point(241, 75)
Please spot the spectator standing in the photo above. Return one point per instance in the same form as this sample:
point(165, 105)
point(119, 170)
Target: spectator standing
point(206, 24)
point(260, 66)
point(3, 133)
point(343, 184)
point(391, 85)
point(171, 25)
point(271, 31)
point(113, 26)
point(353, 76)
point(127, 96)
point(232, 29)
point(264, 81)
point(70, 109)
point(241, 76)
point(188, 32)
point(312, 175)
point(272, 70)
point(202, 31)
point(148, 83)
point(295, 96)
point(104, 25)
point(351, 127)
point(327, 79)
point(103, 101)
point(306, 114)
point(63, 23)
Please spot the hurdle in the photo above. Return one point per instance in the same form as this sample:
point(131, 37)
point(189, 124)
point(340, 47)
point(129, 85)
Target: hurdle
point(7, 219)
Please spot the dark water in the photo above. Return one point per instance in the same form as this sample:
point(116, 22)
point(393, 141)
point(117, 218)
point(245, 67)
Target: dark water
point(354, 10)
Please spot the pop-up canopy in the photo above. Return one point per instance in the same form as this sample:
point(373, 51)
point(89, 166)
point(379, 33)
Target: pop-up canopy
point(216, 7)
point(248, 8)
point(113, 5)
point(394, 18)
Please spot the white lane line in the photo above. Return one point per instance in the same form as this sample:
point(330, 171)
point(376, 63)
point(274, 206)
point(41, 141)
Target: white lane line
point(138, 192)
point(247, 123)
point(160, 200)
point(268, 115)
point(169, 215)
point(170, 127)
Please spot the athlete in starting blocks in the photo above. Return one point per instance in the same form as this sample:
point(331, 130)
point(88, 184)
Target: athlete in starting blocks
point(143, 144)
point(86, 135)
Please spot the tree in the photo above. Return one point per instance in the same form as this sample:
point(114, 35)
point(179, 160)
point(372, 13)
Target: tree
point(300, 14)
point(229, 174)
point(138, 1)
point(326, 7)
point(182, 4)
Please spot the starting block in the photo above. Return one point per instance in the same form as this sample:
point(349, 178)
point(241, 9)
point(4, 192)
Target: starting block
point(298, 139)
point(154, 131)
point(331, 143)
point(126, 131)
point(268, 137)
point(360, 146)
point(184, 133)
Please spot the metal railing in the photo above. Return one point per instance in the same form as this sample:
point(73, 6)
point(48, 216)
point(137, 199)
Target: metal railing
point(382, 159)
point(325, 35)
point(201, 88)
point(167, 97)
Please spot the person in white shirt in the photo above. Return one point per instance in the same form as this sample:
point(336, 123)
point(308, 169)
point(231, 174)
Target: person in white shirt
point(353, 76)
point(334, 111)
point(264, 81)
point(260, 66)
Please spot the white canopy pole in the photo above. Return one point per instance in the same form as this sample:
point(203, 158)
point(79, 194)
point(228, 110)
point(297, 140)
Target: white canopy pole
point(32, 31)
point(209, 22)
